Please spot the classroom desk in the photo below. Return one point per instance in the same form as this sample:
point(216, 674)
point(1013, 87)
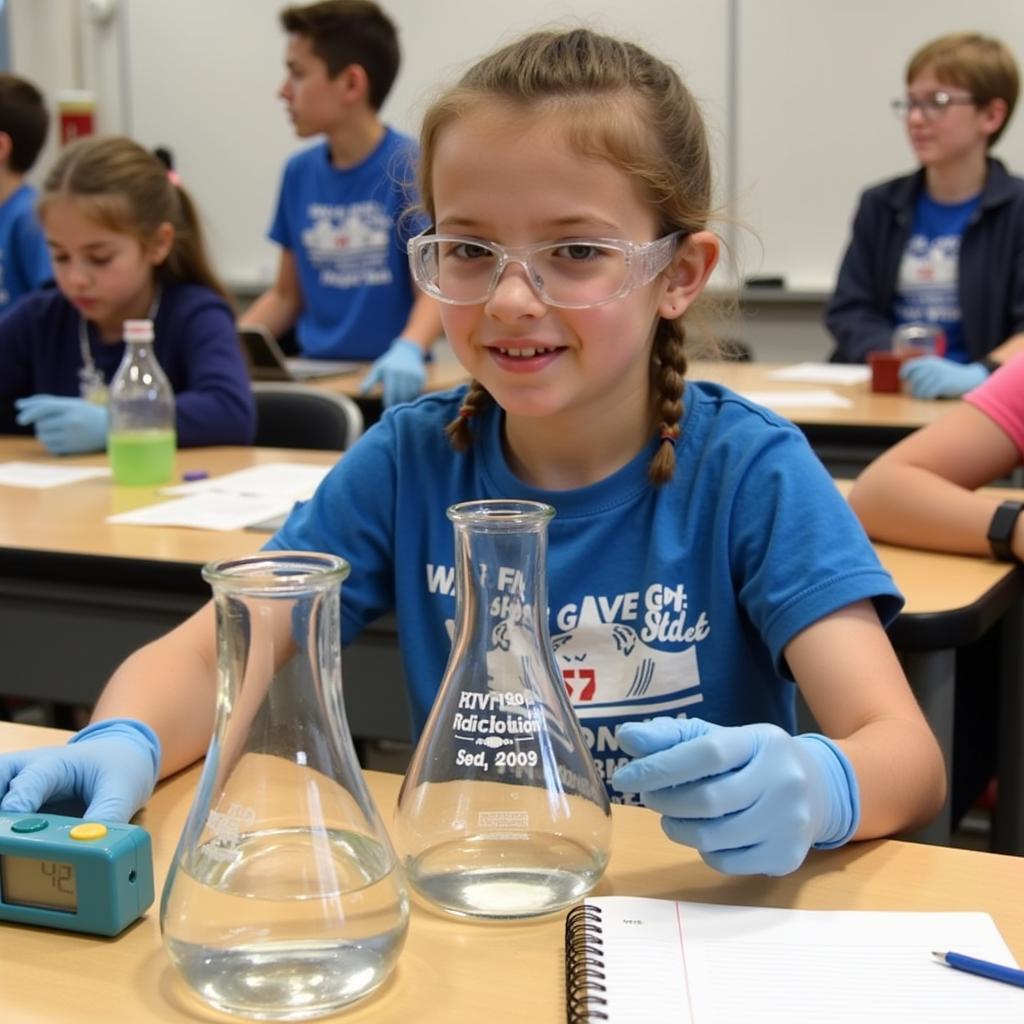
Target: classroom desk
point(442, 373)
point(847, 439)
point(952, 601)
point(452, 972)
point(105, 590)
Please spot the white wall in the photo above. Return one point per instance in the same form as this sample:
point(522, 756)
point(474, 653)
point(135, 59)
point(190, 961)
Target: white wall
point(202, 76)
point(808, 96)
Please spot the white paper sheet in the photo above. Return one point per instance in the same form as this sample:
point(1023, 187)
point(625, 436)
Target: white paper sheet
point(810, 398)
point(822, 373)
point(232, 501)
point(276, 479)
point(209, 511)
point(46, 474)
point(696, 963)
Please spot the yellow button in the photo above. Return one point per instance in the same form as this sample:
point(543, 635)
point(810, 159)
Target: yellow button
point(88, 830)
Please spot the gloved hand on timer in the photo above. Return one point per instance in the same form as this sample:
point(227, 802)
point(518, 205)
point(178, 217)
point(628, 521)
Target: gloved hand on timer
point(935, 377)
point(402, 370)
point(112, 766)
point(67, 426)
point(750, 799)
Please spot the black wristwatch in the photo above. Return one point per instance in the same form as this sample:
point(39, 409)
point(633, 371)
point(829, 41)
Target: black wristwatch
point(1001, 528)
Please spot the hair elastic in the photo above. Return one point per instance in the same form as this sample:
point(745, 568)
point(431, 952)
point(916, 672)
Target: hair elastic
point(670, 434)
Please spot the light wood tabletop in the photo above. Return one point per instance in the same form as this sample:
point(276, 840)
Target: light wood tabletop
point(71, 519)
point(443, 373)
point(867, 410)
point(451, 971)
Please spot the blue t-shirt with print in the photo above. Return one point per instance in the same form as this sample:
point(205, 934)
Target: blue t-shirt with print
point(929, 275)
point(672, 600)
point(347, 230)
point(24, 255)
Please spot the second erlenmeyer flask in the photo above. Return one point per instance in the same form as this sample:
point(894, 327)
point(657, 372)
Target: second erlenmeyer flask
point(501, 813)
point(284, 900)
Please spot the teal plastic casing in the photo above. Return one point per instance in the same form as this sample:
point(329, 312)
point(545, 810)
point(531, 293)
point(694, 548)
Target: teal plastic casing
point(110, 883)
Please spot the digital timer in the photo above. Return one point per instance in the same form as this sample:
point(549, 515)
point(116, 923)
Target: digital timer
point(83, 876)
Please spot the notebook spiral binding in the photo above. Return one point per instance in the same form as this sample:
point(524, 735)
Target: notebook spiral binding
point(584, 966)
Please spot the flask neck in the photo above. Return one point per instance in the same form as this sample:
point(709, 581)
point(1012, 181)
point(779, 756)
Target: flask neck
point(501, 584)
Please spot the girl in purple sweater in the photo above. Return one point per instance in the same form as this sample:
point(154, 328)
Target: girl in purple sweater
point(125, 242)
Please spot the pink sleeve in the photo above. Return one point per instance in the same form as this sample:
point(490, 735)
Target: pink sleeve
point(1001, 398)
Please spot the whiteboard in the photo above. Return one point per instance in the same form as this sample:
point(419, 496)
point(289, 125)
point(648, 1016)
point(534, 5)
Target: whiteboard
point(814, 82)
point(202, 78)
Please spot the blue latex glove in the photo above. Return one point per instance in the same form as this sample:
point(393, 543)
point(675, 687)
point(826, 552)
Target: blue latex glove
point(111, 766)
point(67, 426)
point(751, 799)
point(402, 370)
point(935, 377)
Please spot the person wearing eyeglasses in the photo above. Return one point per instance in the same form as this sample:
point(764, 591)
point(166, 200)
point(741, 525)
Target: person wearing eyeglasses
point(942, 246)
point(702, 564)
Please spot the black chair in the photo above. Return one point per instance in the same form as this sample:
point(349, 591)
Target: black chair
point(298, 416)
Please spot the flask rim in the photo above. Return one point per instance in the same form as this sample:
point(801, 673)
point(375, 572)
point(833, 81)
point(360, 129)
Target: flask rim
point(501, 513)
point(277, 573)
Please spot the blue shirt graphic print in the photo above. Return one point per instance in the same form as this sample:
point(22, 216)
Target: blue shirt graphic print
point(347, 230)
point(673, 600)
point(927, 289)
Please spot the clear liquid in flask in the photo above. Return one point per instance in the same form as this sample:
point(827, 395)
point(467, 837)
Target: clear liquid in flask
point(331, 943)
point(480, 876)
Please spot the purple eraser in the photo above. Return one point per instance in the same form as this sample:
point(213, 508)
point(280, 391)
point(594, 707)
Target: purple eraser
point(194, 474)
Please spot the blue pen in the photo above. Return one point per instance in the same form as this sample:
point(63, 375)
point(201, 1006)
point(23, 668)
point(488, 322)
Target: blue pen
point(997, 972)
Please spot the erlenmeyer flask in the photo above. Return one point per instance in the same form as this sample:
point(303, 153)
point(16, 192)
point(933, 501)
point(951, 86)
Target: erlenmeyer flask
point(284, 900)
point(501, 813)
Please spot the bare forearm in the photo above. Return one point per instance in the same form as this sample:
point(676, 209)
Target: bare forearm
point(424, 323)
point(900, 773)
point(170, 684)
point(854, 686)
point(1009, 348)
point(917, 508)
point(274, 310)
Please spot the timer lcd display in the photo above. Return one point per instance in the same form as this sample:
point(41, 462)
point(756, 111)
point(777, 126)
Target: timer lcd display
point(30, 882)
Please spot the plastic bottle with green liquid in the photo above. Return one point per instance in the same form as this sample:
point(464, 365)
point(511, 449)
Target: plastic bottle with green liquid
point(141, 438)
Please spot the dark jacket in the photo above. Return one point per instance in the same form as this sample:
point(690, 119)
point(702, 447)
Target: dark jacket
point(991, 271)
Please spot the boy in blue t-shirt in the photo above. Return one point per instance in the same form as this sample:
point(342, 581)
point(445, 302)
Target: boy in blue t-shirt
point(343, 281)
point(24, 257)
point(940, 246)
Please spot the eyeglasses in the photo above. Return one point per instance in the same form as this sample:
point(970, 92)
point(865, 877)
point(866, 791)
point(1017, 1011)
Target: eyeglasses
point(573, 273)
point(932, 106)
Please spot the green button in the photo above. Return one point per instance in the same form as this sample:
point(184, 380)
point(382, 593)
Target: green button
point(30, 825)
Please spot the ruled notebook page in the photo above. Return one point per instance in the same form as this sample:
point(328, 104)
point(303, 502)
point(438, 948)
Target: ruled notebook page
point(695, 963)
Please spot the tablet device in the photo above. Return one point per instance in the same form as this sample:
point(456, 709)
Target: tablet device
point(267, 362)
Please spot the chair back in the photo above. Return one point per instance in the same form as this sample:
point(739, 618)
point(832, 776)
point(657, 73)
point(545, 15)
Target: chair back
point(299, 416)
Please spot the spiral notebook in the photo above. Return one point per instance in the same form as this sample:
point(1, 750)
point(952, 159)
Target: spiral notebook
point(650, 961)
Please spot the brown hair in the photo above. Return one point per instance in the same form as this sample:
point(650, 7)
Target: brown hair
point(24, 117)
point(624, 106)
point(346, 32)
point(124, 187)
point(980, 64)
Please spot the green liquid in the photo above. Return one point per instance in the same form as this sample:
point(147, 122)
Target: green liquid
point(142, 456)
